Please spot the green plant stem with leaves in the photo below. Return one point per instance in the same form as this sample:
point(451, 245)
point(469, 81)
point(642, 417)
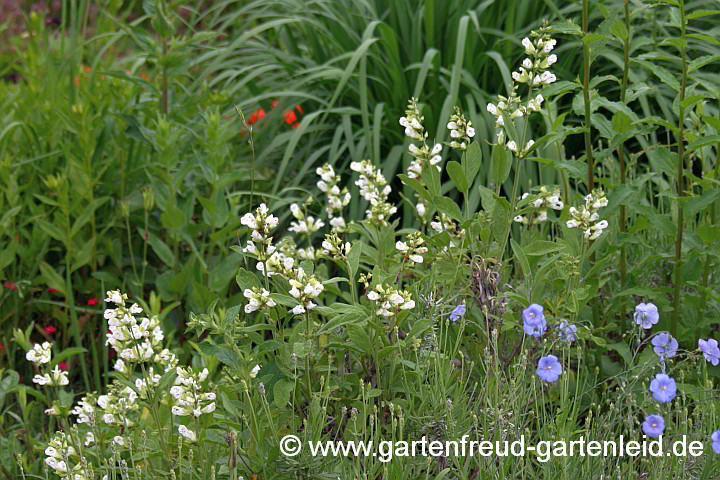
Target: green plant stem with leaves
point(677, 300)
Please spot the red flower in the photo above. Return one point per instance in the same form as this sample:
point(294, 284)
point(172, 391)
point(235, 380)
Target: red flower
point(2, 346)
point(290, 117)
point(257, 115)
point(10, 285)
point(50, 329)
point(295, 125)
point(300, 108)
point(275, 103)
point(53, 290)
point(64, 366)
point(93, 301)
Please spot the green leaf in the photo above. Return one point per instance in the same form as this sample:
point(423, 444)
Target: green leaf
point(86, 215)
point(701, 13)
point(542, 247)
point(342, 320)
point(457, 176)
point(417, 186)
point(282, 391)
point(173, 217)
point(501, 164)
point(51, 229)
point(520, 256)
point(67, 353)
point(448, 207)
point(160, 248)
point(52, 278)
point(354, 258)
point(621, 123)
point(473, 161)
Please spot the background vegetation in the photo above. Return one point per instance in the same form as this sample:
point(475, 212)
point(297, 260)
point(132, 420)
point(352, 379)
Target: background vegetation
point(135, 135)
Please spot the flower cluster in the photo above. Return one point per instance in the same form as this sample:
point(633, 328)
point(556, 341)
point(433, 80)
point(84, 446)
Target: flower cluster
point(134, 341)
point(461, 130)
point(390, 301)
point(268, 257)
point(261, 224)
point(58, 454)
point(422, 155)
point(334, 247)
point(533, 72)
point(40, 353)
point(85, 410)
point(412, 249)
point(337, 199)
point(304, 224)
point(259, 299)
point(188, 394)
point(55, 378)
point(586, 216)
point(412, 121)
point(304, 289)
point(543, 200)
point(374, 189)
point(117, 404)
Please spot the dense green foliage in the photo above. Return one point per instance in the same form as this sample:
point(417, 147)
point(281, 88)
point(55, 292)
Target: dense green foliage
point(135, 139)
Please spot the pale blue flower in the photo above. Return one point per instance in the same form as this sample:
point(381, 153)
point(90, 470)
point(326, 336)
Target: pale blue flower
point(458, 312)
point(665, 345)
point(534, 322)
point(646, 314)
point(654, 426)
point(663, 388)
point(710, 348)
point(549, 368)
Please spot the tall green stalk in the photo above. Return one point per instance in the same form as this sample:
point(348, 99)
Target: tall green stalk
point(680, 169)
point(621, 149)
point(586, 98)
point(588, 130)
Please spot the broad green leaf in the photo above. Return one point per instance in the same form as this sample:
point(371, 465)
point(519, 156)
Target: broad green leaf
point(448, 207)
point(52, 278)
point(457, 176)
point(501, 164)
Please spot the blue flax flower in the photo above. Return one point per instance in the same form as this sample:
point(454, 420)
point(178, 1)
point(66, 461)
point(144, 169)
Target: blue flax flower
point(567, 331)
point(654, 426)
point(710, 348)
point(665, 345)
point(549, 369)
point(663, 388)
point(646, 314)
point(716, 441)
point(457, 312)
point(534, 322)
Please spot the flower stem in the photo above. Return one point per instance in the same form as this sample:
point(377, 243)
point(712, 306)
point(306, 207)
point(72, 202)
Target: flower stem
point(680, 184)
point(621, 151)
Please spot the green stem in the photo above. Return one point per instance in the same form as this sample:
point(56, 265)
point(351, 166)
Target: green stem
point(586, 97)
point(129, 236)
point(680, 183)
point(621, 152)
point(307, 357)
